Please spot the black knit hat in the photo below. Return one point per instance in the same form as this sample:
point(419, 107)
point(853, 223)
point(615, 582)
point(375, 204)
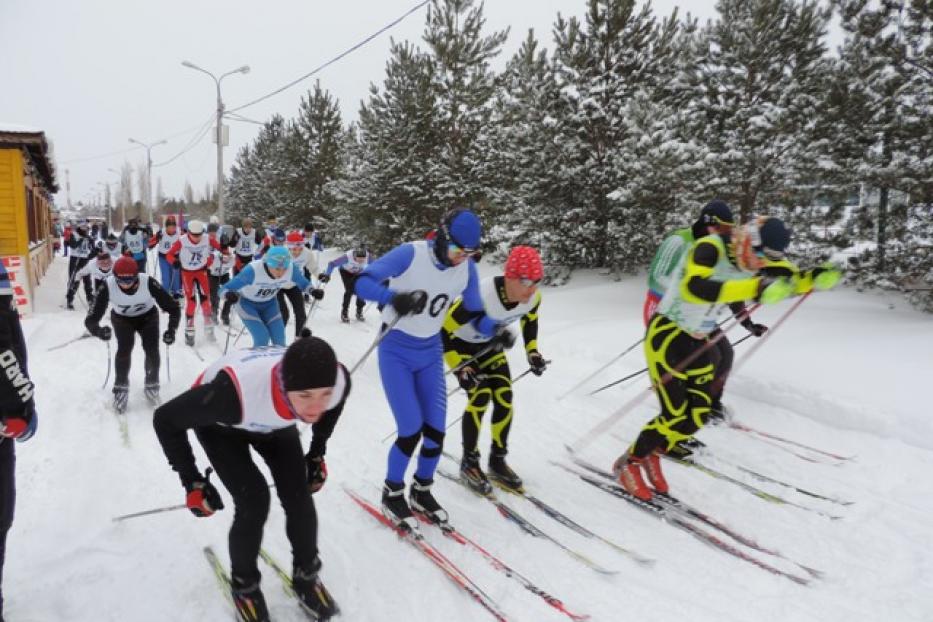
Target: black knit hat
point(309, 363)
point(774, 235)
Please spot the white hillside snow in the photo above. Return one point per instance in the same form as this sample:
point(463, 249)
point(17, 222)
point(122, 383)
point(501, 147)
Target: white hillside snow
point(846, 373)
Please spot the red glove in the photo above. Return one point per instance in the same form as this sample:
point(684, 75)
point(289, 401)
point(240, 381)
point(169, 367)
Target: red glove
point(203, 499)
point(13, 426)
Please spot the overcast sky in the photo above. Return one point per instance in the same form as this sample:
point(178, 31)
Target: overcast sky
point(93, 73)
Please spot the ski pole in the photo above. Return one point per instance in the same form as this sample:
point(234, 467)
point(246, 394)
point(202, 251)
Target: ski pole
point(227, 340)
point(613, 417)
point(107, 379)
point(168, 508)
point(69, 342)
point(644, 369)
point(771, 330)
point(240, 334)
point(470, 360)
point(375, 343)
point(168, 364)
point(598, 371)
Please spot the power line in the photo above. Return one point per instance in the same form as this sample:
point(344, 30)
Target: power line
point(204, 129)
point(333, 60)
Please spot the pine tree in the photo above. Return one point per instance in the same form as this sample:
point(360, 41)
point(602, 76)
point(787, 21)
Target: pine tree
point(320, 160)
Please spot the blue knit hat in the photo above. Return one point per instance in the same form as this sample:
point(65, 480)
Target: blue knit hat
point(277, 257)
point(464, 229)
point(774, 236)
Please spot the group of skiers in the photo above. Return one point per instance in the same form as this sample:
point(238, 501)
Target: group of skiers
point(435, 309)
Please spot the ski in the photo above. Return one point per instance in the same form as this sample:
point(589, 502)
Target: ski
point(750, 430)
point(223, 580)
point(571, 524)
point(435, 556)
point(758, 492)
point(450, 532)
point(528, 527)
point(678, 521)
point(69, 342)
point(290, 590)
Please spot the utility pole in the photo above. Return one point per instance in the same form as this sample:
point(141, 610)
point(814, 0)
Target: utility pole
point(220, 128)
point(148, 148)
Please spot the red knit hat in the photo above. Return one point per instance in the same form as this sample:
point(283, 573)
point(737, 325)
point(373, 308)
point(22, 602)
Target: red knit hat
point(295, 238)
point(524, 263)
point(125, 267)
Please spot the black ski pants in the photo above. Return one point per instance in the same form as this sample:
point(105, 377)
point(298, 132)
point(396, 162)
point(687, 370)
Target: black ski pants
point(228, 449)
point(722, 354)
point(7, 499)
point(75, 264)
point(125, 328)
point(293, 295)
point(349, 280)
point(214, 282)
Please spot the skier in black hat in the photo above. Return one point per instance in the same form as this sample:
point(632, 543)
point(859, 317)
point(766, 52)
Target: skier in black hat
point(254, 398)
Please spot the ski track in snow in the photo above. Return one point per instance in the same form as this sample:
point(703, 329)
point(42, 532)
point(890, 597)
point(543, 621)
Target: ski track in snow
point(841, 375)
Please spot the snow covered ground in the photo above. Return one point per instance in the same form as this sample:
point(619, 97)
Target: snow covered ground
point(846, 373)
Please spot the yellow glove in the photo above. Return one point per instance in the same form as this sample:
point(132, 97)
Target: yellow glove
point(826, 276)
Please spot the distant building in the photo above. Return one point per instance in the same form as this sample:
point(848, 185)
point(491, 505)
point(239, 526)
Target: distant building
point(27, 183)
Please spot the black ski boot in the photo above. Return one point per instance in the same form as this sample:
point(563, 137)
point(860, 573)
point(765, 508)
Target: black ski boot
point(70, 306)
point(152, 393)
point(687, 447)
point(359, 315)
point(718, 414)
point(249, 602)
point(472, 474)
point(502, 473)
point(344, 317)
point(423, 502)
point(311, 592)
point(121, 395)
point(395, 507)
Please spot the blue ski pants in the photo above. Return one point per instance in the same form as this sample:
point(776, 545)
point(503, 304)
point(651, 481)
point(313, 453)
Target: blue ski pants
point(263, 320)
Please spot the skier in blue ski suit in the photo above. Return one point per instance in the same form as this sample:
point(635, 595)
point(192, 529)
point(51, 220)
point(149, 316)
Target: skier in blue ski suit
point(416, 283)
point(256, 287)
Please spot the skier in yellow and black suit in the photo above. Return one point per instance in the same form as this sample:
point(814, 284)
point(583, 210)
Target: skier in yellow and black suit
point(708, 279)
point(513, 296)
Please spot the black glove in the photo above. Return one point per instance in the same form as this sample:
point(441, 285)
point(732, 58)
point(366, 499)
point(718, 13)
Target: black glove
point(203, 499)
point(323, 278)
point(307, 297)
point(231, 296)
point(305, 333)
point(168, 337)
point(317, 294)
point(410, 303)
point(176, 264)
point(468, 379)
point(504, 338)
point(756, 329)
point(317, 472)
point(536, 362)
point(104, 333)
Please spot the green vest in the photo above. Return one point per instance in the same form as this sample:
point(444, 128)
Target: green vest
point(667, 258)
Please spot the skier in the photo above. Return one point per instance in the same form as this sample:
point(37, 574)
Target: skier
point(716, 270)
point(351, 264)
point(218, 273)
point(245, 242)
point(715, 218)
point(112, 246)
point(133, 297)
point(313, 240)
point(82, 247)
point(256, 287)
point(274, 237)
point(163, 241)
point(306, 262)
point(254, 398)
point(192, 254)
point(19, 419)
point(507, 298)
point(134, 239)
point(97, 270)
point(416, 282)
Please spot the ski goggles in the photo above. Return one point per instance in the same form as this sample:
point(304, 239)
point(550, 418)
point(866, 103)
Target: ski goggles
point(458, 251)
point(126, 279)
point(529, 282)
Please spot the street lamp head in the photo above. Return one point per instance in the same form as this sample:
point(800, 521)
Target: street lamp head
point(244, 69)
point(133, 140)
point(188, 63)
point(161, 142)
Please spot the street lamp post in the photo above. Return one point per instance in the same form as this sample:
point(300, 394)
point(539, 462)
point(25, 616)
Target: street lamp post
point(122, 203)
point(148, 148)
point(220, 143)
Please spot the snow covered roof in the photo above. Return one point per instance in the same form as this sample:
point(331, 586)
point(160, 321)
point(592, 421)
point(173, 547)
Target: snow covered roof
point(36, 145)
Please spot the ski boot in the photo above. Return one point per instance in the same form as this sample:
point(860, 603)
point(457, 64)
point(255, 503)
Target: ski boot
point(719, 414)
point(359, 316)
point(209, 328)
point(70, 305)
point(344, 317)
point(396, 509)
point(472, 474)
point(312, 594)
point(502, 473)
point(189, 332)
point(687, 447)
point(152, 393)
point(317, 473)
point(652, 466)
point(225, 317)
point(121, 395)
point(423, 502)
point(628, 471)
point(249, 602)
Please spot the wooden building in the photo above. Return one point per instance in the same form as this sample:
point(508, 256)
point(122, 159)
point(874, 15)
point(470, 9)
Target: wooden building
point(27, 183)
